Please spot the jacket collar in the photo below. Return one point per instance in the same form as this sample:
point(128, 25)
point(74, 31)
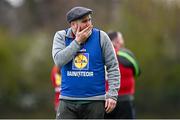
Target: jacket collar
point(69, 33)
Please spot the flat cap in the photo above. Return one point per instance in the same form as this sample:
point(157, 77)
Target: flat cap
point(77, 13)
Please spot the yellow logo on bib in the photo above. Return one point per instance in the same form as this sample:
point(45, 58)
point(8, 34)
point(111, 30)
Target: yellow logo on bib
point(81, 61)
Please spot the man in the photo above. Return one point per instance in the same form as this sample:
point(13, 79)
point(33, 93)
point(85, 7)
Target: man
point(130, 70)
point(82, 52)
point(56, 82)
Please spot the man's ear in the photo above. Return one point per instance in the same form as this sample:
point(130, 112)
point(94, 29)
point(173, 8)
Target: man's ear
point(72, 24)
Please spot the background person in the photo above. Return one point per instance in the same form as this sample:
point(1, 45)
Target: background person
point(130, 70)
point(56, 82)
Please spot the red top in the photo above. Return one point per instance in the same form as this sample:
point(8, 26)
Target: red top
point(56, 82)
point(127, 80)
point(54, 71)
point(127, 85)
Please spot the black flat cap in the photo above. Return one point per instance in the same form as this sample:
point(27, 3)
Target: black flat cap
point(77, 13)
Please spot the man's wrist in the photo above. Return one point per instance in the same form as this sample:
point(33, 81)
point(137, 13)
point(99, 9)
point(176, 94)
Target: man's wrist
point(112, 97)
point(78, 42)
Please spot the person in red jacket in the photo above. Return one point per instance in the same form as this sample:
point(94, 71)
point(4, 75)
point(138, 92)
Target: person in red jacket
point(56, 82)
point(129, 70)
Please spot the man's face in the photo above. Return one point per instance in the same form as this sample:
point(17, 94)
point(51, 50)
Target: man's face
point(82, 23)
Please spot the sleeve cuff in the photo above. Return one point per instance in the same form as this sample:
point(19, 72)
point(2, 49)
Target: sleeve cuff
point(112, 97)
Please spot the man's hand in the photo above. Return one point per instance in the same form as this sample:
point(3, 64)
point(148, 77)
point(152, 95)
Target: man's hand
point(110, 105)
point(81, 36)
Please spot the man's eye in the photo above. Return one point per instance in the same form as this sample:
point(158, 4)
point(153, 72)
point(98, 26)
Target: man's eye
point(84, 21)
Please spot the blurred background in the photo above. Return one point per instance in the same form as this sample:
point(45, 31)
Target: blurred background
point(151, 29)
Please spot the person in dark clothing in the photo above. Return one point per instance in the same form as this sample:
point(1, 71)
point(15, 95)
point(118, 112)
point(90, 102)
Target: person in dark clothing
point(130, 70)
